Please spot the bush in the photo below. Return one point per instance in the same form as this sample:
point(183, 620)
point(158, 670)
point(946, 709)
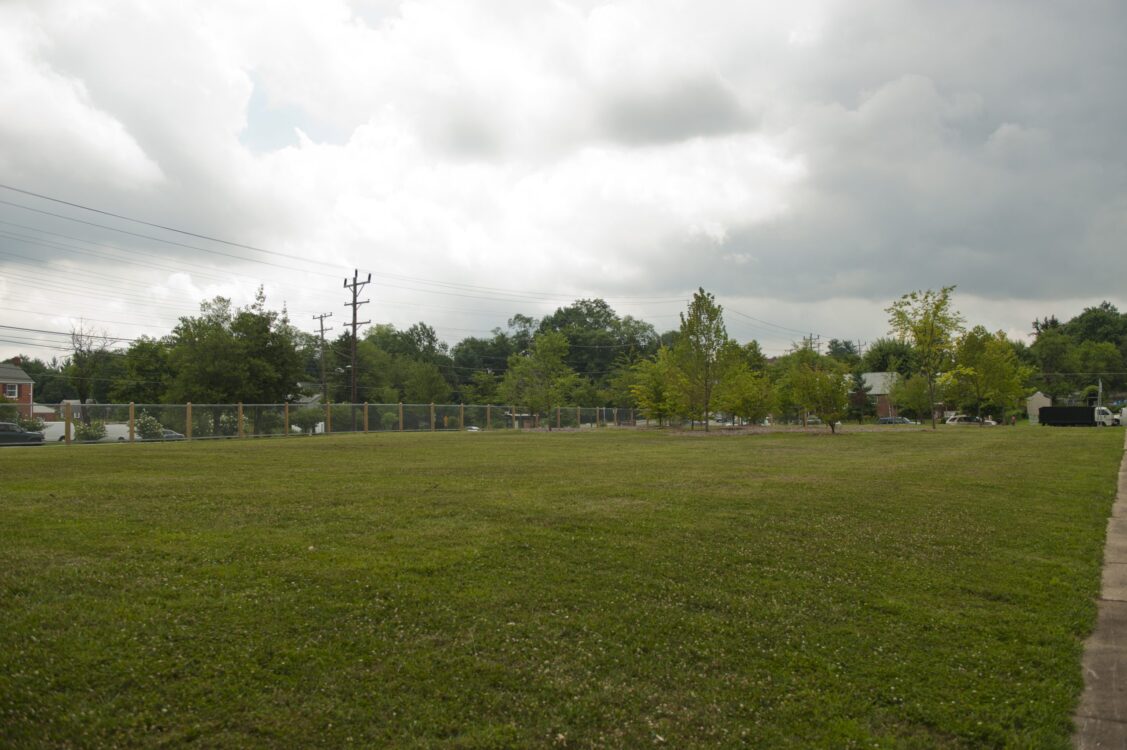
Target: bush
point(34, 424)
point(90, 432)
point(308, 419)
point(148, 427)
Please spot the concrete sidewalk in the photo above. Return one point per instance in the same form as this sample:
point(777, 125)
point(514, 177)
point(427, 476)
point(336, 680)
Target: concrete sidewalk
point(1101, 717)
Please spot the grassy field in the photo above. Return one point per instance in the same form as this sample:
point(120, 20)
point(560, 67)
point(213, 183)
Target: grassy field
point(600, 589)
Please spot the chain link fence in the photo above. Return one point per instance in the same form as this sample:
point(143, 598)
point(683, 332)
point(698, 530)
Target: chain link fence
point(138, 423)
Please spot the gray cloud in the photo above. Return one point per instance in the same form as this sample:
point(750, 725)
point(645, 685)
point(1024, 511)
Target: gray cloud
point(801, 154)
point(664, 111)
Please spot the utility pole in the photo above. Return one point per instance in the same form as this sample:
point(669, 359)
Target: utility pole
point(355, 287)
point(324, 387)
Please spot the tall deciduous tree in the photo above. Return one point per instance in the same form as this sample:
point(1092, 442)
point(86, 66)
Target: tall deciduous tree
point(745, 393)
point(540, 379)
point(820, 386)
point(927, 321)
point(146, 373)
point(658, 387)
point(90, 353)
point(986, 372)
point(224, 355)
point(700, 344)
point(911, 395)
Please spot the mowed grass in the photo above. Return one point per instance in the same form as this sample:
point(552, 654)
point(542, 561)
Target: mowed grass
point(599, 589)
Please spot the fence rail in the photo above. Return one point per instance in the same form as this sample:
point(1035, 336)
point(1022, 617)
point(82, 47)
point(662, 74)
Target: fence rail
point(134, 423)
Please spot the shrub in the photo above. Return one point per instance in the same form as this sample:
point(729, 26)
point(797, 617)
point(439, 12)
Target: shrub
point(308, 418)
point(148, 427)
point(34, 424)
point(90, 432)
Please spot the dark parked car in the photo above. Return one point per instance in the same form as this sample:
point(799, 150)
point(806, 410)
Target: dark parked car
point(896, 420)
point(12, 434)
point(167, 434)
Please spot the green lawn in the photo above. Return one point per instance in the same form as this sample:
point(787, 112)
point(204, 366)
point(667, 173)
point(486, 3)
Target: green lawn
point(600, 589)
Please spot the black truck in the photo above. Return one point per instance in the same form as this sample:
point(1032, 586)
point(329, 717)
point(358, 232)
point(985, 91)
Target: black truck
point(1075, 416)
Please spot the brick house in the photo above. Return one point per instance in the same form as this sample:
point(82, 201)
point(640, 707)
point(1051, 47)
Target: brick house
point(880, 391)
point(15, 385)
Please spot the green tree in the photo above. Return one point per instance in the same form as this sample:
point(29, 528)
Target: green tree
point(145, 375)
point(224, 356)
point(1093, 361)
point(87, 365)
point(926, 320)
point(986, 372)
point(600, 342)
point(1102, 323)
point(307, 419)
point(889, 355)
point(658, 387)
point(700, 343)
point(1054, 351)
point(745, 393)
point(860, 402)
point(911, 396)
point(754, 357)
point(821, 388)
point(482, 389)
point(541, 379)
point(844, 351)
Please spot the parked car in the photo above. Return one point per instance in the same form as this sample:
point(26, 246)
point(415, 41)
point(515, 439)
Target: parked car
point(167, 434)
point(12, 434)
point(964, 419)
point(55, 431)
point(896, 420)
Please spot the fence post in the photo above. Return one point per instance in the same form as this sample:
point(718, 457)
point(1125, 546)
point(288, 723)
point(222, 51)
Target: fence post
point(240, 405)
point(616, 416)
point(401, 416)
point(286, 419)
point(188, 421)
point(557, 417)
point(365, 417)
point(68, 416)
point(513, 411)
point(132, 430)
point(328, 417)
point(488, 416)
point(433, 426)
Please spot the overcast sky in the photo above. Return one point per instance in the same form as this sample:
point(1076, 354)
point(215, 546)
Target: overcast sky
point(807, 162)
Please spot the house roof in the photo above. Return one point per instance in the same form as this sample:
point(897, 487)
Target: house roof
point(12, 374)
point(879, 383)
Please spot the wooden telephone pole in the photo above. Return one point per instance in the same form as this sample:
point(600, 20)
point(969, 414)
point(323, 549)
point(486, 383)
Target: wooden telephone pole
point(324, 386)
point(355, 287)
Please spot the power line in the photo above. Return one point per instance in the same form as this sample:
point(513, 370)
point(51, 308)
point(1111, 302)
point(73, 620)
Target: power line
point(544, 296)
point(151, 224)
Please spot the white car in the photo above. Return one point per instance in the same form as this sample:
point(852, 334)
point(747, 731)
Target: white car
point(964, 419)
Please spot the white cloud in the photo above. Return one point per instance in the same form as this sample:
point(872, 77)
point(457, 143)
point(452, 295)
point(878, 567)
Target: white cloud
point(819, 157)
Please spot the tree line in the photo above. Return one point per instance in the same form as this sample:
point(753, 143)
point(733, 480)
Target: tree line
point(585, 353)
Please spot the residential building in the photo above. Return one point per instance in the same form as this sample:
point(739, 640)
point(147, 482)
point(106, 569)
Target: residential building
point(15, 385)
